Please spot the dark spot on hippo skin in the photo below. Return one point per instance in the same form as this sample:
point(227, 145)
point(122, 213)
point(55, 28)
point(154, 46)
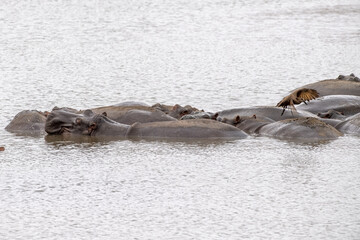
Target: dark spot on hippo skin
point(2, 149)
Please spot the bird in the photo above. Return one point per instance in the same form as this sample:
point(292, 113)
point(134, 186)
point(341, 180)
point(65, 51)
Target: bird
point(296, 97)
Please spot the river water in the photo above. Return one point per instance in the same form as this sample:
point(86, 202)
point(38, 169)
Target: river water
point(213, 55)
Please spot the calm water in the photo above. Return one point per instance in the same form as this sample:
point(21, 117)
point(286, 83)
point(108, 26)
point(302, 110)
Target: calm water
point(211, 54)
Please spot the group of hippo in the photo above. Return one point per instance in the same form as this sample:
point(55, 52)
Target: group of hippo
point(334, 112)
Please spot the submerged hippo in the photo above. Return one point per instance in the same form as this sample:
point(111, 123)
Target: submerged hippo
point(303, 129)
point(175, 111)
point(350, 126)
point(274, 113)
point(98, 125)
point(130, 115)
point(343, 85)
point(346, 104)
point(248, 124)
point(28, 122)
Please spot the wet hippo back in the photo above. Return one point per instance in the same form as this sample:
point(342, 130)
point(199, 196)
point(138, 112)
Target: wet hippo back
point(186, 129)
point(350, 126)
point(304, 129)
point(336, 87)
point(28, 122)
point(273, 113)
point(346, 104)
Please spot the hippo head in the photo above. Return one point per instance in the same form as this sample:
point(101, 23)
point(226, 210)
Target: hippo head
point(350, 77)
point(332, 114)
point(61, 122)
point(178, 111)
point(236, 120)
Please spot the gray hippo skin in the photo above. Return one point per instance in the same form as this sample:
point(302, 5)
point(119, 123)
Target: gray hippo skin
point(350, 126)
point(175, 111)
point(90, 124)
point(130, 115)
point(249, 125)
point(343, 85)
point(346, 104)
point(28, 122)
point(301, 129)
point(273, 113)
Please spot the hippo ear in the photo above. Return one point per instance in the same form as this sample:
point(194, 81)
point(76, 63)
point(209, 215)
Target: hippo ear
point(254, 116)
point(352, 75)
point(104, 114)
point(341, 77)
point(237, 119)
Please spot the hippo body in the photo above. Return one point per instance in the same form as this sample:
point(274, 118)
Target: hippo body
point(28, 122)
point(130, 115)
point(343, 85)
point(193, 128)
point(273, 113)
point(303, 129)
point(350, 126)
point(97, 125)
point(346, 104)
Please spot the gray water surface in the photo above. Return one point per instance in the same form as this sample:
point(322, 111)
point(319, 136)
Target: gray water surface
point(213, 55)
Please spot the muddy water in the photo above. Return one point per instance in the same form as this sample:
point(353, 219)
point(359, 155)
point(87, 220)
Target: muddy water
point(211, 54)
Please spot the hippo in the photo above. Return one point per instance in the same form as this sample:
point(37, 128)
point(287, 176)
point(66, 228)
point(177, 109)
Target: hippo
point(274, 113)
point(350, 126)
point(28, 122)
point(346, 104)
point(88, 123)
point(199, 115)
point(130, 115)
point(248, 124)
point(301, 129)
point(175, 111)
point(332, 114)
point(342, 85)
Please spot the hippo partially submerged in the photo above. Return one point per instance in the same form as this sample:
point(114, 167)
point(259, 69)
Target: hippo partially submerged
point(97, 125)
point(350, 126)
point(303, 129)
point(346, 104)
point(28, 122)
point(274, 113)
point(307, 129)
point(343, 85)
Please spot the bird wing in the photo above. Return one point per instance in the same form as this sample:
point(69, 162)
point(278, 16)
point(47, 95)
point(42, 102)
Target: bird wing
point(307, 94)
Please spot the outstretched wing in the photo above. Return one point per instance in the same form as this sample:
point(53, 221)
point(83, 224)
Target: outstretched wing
point(306, 94)
point(284, 102)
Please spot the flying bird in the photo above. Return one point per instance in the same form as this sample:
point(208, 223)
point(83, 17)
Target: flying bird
point(297, 97)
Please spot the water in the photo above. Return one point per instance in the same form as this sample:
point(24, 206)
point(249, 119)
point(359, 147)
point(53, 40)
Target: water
point(213, 55)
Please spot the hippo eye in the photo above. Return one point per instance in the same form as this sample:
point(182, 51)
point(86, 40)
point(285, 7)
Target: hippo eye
point(78, 121)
